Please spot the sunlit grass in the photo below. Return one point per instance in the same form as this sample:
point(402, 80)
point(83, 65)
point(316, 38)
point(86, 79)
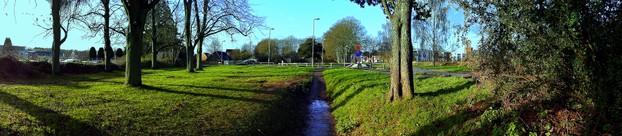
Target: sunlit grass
point(359, 106)
point(444, 66)
point(222, 100)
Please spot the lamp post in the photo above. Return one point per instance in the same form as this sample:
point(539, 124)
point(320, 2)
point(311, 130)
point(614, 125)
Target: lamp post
point(221, 53)
point(313, 43)
point(269, 52)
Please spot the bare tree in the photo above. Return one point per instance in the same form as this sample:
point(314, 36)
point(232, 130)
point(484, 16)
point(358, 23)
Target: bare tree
point(98, 19)
point(230, 16)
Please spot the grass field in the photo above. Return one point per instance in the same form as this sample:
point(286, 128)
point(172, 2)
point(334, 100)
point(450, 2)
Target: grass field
point(441, 105)
point(443, 66)
point(221, 100)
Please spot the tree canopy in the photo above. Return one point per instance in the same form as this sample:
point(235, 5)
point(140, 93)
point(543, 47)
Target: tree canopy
point(341, 38)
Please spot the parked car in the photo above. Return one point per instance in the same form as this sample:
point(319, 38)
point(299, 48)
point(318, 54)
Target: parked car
point(247, 62)
point(71, 61)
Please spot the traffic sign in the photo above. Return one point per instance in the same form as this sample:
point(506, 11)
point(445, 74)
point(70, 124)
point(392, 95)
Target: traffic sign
point(358, 47)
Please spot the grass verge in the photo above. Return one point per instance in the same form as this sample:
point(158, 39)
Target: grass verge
point(221, 100)
point(443, 105)
point(444, 66)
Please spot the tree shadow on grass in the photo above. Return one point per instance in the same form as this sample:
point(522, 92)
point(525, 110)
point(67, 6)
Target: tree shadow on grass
point(228, 89)
point(72, 81)
point(347, 79)
point(61, 124)
point(350, 96)
point(160, 89)
point(448, 90)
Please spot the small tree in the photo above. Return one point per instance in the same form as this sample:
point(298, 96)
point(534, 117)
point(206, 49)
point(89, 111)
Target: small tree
point(304, 50)
point(92, 53)
point(119, 52)
point(100, 53)
point(109, 52)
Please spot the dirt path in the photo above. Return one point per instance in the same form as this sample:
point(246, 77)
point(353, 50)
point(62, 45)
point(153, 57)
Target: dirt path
point(320, 120)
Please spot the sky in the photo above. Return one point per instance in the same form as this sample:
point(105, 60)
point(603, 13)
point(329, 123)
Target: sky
point(287, 17)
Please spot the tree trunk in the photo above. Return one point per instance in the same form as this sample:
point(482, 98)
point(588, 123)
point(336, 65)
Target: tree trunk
point(189, 48)
point(107, 46)
point(56, 5)
point(154, 41)
point(402, 86)
point(134, 46)
point(394, 93)
point(200, 34)
point(406, 51)
point(199, 54)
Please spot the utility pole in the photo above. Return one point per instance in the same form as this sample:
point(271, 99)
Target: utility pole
point(269, 41)
point(313, 44)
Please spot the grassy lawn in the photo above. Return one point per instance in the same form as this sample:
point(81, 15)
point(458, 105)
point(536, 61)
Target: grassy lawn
point(221, 100)
point(440, 106)
point(441, 66)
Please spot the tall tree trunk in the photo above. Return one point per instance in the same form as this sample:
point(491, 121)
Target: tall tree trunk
point(201, 36)
point(108, 52)
point(56, 5)
point(396, 84)
point(134, 46)
point(154, 41)
point(189, 48)
point(199, 54)
point(406, 50)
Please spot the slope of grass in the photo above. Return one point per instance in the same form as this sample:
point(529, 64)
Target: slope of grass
point(440, 106)
point(444, 66)
point(223, 100)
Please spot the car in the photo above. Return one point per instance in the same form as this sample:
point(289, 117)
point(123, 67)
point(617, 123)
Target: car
point(247, 62)
point(71, 61)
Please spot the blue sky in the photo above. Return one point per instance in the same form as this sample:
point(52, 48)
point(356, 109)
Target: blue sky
point(287, 17)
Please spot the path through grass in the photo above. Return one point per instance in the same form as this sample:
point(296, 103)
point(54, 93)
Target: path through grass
point(222, 100)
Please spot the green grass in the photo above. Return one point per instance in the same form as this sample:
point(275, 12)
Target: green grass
point(221, 100)
point(443, 66)
point(359, 107)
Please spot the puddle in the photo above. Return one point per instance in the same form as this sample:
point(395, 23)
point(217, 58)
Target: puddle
point(319, 119)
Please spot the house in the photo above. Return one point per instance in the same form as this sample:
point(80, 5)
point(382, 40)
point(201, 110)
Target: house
point(218, 57)
point(40, 54)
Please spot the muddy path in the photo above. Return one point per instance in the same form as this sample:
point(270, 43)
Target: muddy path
point(319, 119)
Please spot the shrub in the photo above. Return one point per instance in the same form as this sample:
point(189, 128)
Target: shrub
point(11, 68)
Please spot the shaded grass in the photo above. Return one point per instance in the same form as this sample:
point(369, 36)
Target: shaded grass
point(438, 108)
point(221, 100)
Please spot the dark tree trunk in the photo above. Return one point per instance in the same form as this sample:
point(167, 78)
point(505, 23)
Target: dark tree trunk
point(189, 48)
point(56, 5)
point(108, 52)
point(154, 41)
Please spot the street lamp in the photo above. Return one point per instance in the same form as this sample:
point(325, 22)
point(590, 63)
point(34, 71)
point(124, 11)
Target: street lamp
point(269, 53)
point(221, 53)
point(313, 43)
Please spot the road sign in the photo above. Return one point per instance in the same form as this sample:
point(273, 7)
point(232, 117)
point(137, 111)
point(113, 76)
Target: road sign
point(358, 47)
point(358, 53)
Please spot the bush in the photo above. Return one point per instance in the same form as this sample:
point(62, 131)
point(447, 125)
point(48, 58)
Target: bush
point(11, 68)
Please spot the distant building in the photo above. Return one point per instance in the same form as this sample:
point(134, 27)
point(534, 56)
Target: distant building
point(218, 57)
point(9, 49)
